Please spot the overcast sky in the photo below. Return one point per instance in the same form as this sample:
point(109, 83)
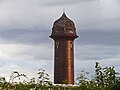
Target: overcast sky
point(25, 26)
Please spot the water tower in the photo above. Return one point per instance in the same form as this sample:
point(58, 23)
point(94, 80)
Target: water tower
point(64, 34)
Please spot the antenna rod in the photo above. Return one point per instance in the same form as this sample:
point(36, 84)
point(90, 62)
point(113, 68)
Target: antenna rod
point(63, 10)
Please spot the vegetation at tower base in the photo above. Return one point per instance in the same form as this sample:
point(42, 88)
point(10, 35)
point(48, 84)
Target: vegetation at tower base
point(104, 79)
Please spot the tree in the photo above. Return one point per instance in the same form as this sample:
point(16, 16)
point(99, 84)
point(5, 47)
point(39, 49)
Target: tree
point(104, 79)
point(15, 75)
point(43, 78)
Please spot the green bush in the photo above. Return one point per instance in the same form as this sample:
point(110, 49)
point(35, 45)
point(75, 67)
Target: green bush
point(104, 79)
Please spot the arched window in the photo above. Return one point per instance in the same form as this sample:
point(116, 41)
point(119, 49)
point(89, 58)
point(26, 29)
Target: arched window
point(71, 45)
point(57, 44)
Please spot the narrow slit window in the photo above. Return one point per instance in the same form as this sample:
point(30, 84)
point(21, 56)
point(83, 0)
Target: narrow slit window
point(71, 45)
point(57, 44)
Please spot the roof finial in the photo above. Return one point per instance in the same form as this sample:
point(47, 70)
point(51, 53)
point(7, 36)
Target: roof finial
point(63, 10)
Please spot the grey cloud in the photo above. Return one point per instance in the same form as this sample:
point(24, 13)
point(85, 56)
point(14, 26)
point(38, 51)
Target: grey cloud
point(96, 52)
point(25, 36)
point(66, 2)
point(110, 24)
point(44, 3)
point(99, 37)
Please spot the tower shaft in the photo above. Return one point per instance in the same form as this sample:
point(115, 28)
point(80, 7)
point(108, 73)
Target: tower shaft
point(64, 61)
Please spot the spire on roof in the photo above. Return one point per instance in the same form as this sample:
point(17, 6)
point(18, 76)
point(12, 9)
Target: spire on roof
point(63, 10)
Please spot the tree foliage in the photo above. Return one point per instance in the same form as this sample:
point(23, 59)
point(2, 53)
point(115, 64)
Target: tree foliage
point(105, 78)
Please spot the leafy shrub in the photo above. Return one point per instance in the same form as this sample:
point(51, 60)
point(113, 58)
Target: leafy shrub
point(104, 79)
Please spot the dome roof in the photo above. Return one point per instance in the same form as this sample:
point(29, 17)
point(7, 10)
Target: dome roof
point(64, 27)
point(64, 21)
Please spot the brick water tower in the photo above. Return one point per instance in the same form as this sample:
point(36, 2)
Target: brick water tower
point(64, 33)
